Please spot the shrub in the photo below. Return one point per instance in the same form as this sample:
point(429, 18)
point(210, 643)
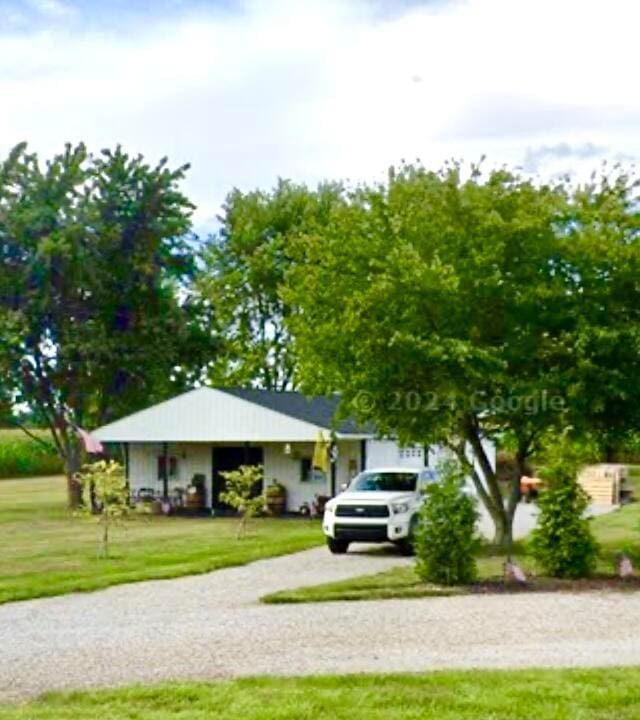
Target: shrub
point(446, 541)
point(563, 543)
point(240, 492)
point(106, 481)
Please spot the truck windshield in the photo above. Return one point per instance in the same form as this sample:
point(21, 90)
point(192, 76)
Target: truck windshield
point(384, 482)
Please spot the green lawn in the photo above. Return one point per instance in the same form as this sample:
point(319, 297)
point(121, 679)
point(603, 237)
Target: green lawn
point(46, 551)
point(602, 694)
point(617, 531)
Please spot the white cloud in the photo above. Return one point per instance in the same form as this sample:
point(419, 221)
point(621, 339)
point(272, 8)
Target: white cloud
point(54, 8)
point(534, 157)
point(335, 88)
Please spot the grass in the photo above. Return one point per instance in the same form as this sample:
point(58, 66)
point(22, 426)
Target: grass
point(618, 531)
point(47, 551)
point(398, 582)
point(21, 456)
point(601, 694)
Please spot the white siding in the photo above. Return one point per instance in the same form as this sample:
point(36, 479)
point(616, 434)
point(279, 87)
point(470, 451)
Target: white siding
point(348, 461)
point(286, 469)
point(387, 453)
point(438, 454)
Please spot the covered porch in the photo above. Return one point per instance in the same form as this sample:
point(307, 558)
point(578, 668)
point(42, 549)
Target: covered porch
point(167, 469)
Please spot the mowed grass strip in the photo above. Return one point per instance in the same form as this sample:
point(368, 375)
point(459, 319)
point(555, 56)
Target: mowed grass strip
point(601, 694)
point(47, 551)
point(618, 531)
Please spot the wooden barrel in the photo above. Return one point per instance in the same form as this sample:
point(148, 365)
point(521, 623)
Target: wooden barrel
point(277, 504)
point(194, 501)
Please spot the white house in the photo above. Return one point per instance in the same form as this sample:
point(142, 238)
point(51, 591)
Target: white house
point(206, 431)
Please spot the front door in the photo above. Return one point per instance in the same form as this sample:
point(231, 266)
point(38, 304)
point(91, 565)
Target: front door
point(225, 458)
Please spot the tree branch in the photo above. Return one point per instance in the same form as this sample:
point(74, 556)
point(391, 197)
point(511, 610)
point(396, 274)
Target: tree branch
point(33, 436)
point(459, 451)
point(472, 432)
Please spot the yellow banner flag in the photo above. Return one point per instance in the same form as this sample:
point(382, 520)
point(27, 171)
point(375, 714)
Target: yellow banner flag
point(321, 453)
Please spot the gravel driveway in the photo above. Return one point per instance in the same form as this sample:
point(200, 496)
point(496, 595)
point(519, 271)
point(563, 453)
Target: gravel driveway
point(211, 626)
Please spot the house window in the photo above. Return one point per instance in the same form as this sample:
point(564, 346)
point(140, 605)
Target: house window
point(173, 467)
point(410, 452)
point(309, 473)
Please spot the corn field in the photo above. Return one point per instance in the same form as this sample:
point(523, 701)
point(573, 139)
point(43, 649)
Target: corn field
point(21, 456)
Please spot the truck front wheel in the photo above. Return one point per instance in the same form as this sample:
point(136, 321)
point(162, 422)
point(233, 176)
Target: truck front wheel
point(337, 547)
point(408, 545)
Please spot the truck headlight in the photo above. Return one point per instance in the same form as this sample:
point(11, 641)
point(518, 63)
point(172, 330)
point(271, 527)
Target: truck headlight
point(328, 509)
point(399, 508)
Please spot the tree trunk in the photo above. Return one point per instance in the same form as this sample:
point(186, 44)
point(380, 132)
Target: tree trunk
point(92, 498)
point(500, 510)
point(502, 516)
point(503, 536)
point(105, 536)
point(72, 467)
point(74, 491)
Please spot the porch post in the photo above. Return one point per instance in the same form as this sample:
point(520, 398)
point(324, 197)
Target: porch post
point(333, 467)
point(165, 472)
point(125, 452)
point(363, 455)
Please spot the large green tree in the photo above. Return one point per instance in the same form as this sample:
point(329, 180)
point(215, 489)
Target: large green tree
point(433, 304)
point(95, 312)
point(246, 263)
point(601, 253)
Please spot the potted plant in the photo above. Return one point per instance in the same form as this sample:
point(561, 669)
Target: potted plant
point(275, 497)
point(196, 493)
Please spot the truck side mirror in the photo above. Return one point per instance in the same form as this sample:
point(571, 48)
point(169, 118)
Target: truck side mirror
point(344, 486)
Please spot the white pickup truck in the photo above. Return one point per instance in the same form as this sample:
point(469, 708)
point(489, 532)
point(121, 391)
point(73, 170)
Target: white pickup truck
point(379, 505)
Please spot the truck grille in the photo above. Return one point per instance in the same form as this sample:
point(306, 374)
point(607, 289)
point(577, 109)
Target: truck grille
point(363, 533)
point(362, 511)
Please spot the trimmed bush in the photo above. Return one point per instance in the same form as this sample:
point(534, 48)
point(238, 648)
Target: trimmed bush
point(446, 542)
point(21, 456)
point(563, 543)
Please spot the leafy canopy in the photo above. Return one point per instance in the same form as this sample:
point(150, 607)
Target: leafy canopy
point(95, 316)
point(431, 297)
point(245, 268)
point(456, 306)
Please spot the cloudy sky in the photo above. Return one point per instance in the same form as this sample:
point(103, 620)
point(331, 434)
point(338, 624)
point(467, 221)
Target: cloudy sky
point(249, 90)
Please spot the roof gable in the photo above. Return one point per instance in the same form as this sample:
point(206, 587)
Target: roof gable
point(319, 410)
point(212, 415)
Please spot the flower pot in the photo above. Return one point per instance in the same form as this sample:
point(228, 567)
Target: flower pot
point(194, 500)
point(276, 499)
point(277, 505)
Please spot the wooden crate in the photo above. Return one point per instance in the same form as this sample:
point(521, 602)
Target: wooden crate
point(603, 482)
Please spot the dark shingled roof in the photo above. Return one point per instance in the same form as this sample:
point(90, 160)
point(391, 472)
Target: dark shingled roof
point(318, 410)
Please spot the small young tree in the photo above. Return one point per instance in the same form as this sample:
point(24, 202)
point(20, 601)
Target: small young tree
point(240, 493)
point(563, 543)
point(446, 536)
point(107, 482)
